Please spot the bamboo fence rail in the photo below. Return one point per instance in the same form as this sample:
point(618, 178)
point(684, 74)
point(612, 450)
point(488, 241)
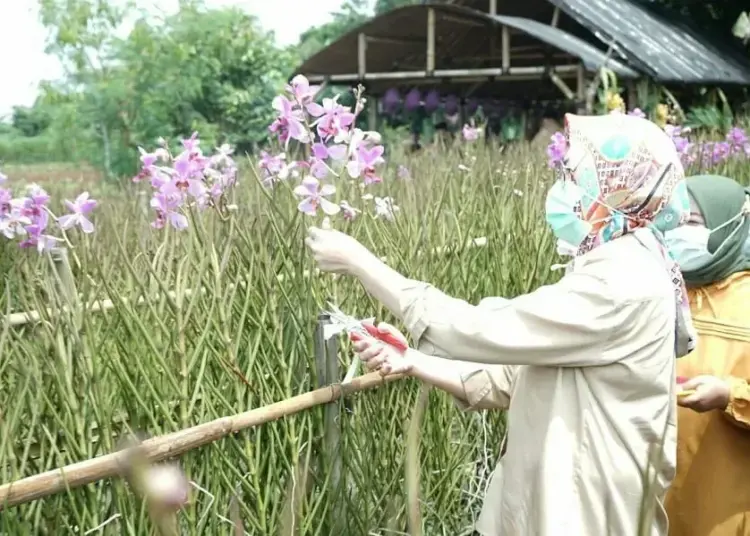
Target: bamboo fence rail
point(171, 445)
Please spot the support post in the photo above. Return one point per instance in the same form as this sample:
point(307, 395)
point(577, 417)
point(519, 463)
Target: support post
point(493, 36)
point(430, 68)
point(555, 17)
point(506, 49)
point(372, 114)
point(632, 95)
point(361, 55)
point(581, 89)
point(327, 368)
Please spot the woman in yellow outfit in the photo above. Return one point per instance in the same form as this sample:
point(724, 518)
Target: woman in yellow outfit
point(710, 495)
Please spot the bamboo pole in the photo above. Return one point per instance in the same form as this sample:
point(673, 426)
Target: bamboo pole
point(170, 445)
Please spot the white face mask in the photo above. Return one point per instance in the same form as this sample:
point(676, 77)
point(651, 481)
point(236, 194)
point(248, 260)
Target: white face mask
point(688, 244)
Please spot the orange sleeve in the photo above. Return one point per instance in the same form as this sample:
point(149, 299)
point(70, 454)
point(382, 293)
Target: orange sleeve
point(738, 409)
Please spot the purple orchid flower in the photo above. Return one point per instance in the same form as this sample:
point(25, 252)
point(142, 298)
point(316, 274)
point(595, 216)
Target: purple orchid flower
point(738, 140)
point(166, 207)
point(334, 120)
point(403, 172)
point(348, 211)
point(363, 163)
point(79, 208)
point(288, 125)
point(14, 223)
point(36, 236)
point(35, 201)
point(470, 133)
point(320, 153)
point(637, 112)
point(315, 196)
point(556, 149)
point(301, 90)
point(270, 165)
point(191, 144)
point(6, 197)
point(188, 176)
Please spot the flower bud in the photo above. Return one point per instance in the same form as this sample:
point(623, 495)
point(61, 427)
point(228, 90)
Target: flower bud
point(165, 487)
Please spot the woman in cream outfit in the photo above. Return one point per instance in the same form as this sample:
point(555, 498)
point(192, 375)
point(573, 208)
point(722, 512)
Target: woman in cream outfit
point(585, 367)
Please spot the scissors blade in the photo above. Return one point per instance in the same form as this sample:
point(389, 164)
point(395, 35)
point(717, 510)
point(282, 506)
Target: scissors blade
point(341, 321)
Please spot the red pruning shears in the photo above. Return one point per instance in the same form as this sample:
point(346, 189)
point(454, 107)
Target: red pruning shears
point(357, 330)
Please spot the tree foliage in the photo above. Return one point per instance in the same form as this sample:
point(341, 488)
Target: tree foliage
point(213, 70)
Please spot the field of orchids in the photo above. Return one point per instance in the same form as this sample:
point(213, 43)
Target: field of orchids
point(189, 296)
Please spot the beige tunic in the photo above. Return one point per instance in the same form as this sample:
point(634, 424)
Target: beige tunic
point(586, 368)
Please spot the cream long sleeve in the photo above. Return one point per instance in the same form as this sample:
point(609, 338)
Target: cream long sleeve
point(586, 368)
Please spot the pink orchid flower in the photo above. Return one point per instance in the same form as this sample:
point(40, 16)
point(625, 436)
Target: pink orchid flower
point(315, 196)
point(363, 163)
point(79, 208)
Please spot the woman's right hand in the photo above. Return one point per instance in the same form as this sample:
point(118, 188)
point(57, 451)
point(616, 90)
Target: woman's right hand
point(380, 356)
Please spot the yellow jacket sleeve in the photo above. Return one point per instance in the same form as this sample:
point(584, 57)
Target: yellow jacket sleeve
point(738, 409)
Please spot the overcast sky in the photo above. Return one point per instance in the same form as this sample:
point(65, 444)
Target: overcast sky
point(23, 63)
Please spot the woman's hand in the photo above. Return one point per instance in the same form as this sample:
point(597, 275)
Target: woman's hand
point(334, 251)
point(380, 356)
point(710, 393)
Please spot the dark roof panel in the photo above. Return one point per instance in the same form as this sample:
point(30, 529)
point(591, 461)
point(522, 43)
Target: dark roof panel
point(591, 57)
point(667, 50)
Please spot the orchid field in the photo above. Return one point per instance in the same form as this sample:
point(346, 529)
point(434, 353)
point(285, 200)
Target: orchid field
point(189, 295)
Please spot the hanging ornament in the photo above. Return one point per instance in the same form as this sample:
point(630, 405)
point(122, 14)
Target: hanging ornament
point(413, 100)
point(391, 101)
point(432, 101)
point(451, 105)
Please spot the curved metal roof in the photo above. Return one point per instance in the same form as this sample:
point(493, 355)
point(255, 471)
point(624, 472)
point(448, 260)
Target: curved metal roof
point(662, 47)
point(592, 57)
point(665, 48)
point(463, 38)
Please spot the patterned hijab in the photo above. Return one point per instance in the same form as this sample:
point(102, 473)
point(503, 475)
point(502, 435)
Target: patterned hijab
point(630, 177)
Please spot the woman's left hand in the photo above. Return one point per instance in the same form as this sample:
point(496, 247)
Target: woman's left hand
point(710, 393)
point(333, 250)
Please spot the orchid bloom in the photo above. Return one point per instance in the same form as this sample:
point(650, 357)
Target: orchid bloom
point(315, 196)
point(320, 153)
point(79, 208)
point(301, 90)
point(166, 207)
point(288, 125)
point(334, 120)
point(364, 162)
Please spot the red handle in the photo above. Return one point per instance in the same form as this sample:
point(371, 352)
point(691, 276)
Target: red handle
point(387, 338)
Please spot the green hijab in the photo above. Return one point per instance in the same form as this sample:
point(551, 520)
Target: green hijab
point(719, 200)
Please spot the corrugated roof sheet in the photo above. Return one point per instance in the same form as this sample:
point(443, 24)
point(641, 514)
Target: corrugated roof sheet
point(592, 57)
point(665, 49)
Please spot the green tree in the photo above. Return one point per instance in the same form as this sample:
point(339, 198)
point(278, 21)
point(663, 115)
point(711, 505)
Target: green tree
point(383, 6)
point(214, 71)
point(351, 14)
point(31, 121)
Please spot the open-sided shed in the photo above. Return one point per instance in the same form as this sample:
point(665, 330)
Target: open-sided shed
point(533, 49)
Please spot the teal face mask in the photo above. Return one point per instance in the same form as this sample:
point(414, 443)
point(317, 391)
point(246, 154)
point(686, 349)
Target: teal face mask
point(561, 216)
point(688, 246)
